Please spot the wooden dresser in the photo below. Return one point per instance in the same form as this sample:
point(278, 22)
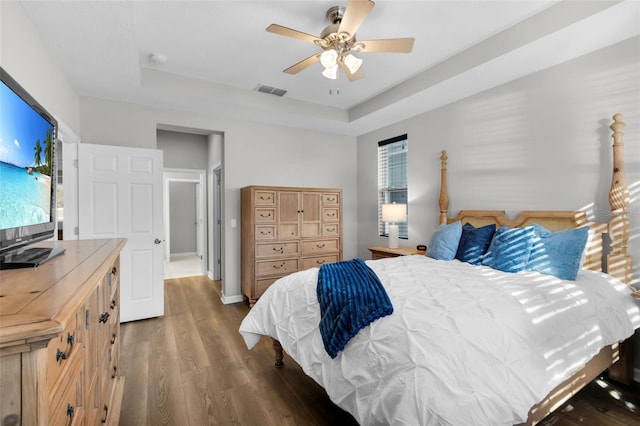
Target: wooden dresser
point(60, 338)
point(285, 230)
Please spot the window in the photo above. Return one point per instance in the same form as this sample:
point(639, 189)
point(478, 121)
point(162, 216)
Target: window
point(392, 179)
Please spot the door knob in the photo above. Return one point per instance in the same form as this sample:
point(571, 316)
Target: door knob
point(157, 241)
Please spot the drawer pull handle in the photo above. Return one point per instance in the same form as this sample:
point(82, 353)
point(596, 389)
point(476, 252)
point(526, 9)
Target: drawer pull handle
point(104, 318)
point(331, 229)
point(64, 355)
point(279, 266)
point(320, 262)
point(265, 232)
point(320, 245)
point(113, 338)
point(331, 199)
point(263, 197)
point(265, 215)
point(278, 249)
point(115, 371)
point(106, 411)
point(114, 270)
point(11, 420)
point(113, 304)
point(331, 214)
point(70, 411)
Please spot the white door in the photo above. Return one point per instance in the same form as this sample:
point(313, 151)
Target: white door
point(120, 195)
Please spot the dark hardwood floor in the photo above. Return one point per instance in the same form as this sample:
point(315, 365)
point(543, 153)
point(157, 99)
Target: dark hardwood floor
point(191, 367)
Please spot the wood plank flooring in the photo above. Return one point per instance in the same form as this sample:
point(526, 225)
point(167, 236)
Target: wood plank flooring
point(191, 367)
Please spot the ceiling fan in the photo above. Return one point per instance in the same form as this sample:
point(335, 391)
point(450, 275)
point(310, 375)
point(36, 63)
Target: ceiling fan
point(338, 41)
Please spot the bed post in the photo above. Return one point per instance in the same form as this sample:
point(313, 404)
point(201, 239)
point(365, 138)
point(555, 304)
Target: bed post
point(443, 201)
point(618, 259)
point(279, 353)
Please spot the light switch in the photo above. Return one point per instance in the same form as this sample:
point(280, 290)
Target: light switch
point(234, 223)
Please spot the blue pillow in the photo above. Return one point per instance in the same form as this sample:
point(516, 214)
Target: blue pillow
point(558, 253)
point(444, 242)
point(509, 249)
point(474, 242)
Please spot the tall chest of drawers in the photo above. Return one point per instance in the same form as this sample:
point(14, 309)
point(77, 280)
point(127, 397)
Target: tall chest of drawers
point(287, 229)
point(60, 338)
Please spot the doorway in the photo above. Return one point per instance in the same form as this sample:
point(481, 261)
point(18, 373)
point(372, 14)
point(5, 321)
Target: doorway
point(184, 202)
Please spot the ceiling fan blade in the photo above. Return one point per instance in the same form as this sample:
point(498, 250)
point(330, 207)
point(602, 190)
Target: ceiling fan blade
point(352, 77)
point(394, 45)
point(288, 32)
point(303, 64)
point(354, 15)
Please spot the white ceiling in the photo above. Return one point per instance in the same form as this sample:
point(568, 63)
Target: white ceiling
point(218, 52)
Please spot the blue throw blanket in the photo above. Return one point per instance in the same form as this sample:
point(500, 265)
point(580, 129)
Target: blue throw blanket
point(351, 297)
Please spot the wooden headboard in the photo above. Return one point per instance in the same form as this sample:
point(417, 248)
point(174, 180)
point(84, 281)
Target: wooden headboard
point(618, 261)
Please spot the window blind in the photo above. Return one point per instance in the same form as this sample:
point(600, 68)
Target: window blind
point(393, 179)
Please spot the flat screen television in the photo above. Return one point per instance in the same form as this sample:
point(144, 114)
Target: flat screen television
point(27, 177)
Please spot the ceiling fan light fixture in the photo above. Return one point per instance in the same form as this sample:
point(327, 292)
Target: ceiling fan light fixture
point(331, 72)
point(352, 63)
point(329, 58)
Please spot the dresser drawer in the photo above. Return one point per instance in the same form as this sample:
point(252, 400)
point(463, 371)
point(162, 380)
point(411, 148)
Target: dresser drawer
point(265, 215)
point(287, 248)
point(66, 407)
point(330, 198)
point(273, 267)
point(331, 230)
point(68, 412)
point(111, 371)
point(317, 261)
point(59, 351)
point(262, 284)
point(320, 246)
point(264, 197)
point(265, 232)
point(331, 214)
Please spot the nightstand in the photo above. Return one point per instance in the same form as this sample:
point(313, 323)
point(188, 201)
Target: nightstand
point(383, 252)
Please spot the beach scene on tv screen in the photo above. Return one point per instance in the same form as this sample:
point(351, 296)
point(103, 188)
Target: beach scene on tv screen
point(26, 151)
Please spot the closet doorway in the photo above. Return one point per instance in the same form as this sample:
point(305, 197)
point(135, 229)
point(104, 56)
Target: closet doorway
point(185, 226)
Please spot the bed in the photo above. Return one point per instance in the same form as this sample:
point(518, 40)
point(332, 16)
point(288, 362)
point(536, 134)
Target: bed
point(470, 344)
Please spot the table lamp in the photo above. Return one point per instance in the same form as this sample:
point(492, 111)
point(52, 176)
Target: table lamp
point(394, 213)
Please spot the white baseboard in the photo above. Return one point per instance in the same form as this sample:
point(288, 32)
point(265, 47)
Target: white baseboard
point(227, 300)
point(636, 375)
point(210, 275)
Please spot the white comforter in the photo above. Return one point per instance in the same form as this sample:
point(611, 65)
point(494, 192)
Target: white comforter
point(466, 345)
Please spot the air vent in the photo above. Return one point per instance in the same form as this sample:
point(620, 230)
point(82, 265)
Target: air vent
point(270, 90)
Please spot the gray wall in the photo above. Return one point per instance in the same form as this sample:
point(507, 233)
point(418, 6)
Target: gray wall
point(183, 150)
point(25, 57)
point(182, 212)
point(538, 143)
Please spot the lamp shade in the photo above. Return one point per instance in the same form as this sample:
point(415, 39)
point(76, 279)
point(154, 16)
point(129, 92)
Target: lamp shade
point(331, 72)
point(352, 63)
point(394, 213)
point(329, 58)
